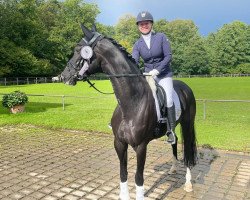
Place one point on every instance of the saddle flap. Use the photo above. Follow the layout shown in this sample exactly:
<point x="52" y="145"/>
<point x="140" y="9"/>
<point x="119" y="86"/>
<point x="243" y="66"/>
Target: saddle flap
<point x="161" y="98"/>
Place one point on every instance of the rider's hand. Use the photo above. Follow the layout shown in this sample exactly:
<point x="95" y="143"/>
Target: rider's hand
<point x="154" y="73"/>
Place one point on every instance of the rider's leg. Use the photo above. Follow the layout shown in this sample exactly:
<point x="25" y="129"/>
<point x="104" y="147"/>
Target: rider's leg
<point x="167" y="84"/>
<point x="172" y="123"/>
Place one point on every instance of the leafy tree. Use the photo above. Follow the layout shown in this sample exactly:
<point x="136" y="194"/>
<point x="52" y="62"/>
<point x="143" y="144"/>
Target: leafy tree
<point x="67" y="32"/>
<point x="243" y="68"/>
<point x="108" y="31"/>
<point x="126" y="31"/>
<point x="229" y="47"/>
<point x="195" y="57"/>
<point x="37" y="35"/>
<point x="185" y="40"/>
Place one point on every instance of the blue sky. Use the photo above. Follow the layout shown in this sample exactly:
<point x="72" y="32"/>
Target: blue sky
<point x="208" y="15"/>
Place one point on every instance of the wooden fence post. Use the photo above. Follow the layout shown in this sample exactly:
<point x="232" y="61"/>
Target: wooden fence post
<point x="63" y="101"/>
<point x="204" y="109"/>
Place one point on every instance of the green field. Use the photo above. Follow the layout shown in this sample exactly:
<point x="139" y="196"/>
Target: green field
<point x="227" y="125"/>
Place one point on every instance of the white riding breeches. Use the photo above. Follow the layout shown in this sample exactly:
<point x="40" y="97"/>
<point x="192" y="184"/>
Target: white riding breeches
<point x="167" y="84"/>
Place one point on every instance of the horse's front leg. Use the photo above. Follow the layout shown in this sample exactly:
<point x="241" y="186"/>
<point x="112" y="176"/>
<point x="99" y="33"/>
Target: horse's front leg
<point x="141" y="152"/>
<point x="121" y="150"/>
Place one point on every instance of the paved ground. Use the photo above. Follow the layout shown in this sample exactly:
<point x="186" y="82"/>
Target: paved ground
<point x="37" y="163"/>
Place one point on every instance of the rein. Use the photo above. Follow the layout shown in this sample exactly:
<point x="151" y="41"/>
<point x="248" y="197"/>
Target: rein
<point x="93" y="86"/>
<point x="111" y="76"/>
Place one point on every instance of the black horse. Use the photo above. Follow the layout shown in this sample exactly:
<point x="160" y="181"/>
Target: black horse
<point x="134" y="120"/>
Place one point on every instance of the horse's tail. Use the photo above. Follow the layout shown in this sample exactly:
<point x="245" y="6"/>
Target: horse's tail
<point x="188" y="127"/>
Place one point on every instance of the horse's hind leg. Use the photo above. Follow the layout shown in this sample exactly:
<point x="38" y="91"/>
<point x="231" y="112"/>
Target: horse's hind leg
<point x="121" y="150"/>
<point x="188" y="185"/>
<point x="173" y="168"/>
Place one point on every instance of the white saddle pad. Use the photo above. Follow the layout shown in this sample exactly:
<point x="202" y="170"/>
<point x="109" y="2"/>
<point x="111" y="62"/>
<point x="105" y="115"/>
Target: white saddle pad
<point x="175" y="98"/>
<point x="176" y="103"/>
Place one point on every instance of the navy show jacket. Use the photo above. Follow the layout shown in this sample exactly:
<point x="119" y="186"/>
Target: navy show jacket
<point x="157" y="57"/>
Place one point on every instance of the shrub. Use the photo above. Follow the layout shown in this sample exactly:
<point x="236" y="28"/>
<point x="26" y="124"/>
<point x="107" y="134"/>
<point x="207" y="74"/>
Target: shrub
<point x="14" y="98"/>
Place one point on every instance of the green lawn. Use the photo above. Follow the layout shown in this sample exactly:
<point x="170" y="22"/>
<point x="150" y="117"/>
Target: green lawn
<point x="227" y="125"/>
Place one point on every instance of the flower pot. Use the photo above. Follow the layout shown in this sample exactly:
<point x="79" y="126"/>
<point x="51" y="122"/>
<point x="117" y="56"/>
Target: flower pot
<point x="17" y="109"/>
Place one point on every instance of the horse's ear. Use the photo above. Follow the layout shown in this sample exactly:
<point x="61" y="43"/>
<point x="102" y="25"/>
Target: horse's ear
<point x="88" y="34"/>
<point x="94" y="28"/>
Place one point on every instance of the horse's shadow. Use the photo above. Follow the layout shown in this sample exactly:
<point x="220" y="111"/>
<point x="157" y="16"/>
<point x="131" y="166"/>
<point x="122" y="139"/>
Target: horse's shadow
<point x="176" y="181"/>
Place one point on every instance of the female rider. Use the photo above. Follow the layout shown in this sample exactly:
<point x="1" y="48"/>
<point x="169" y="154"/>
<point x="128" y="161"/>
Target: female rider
<point x="154" y="49"/>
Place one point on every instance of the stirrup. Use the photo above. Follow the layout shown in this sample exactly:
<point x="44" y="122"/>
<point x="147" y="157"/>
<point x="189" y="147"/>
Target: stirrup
<point x="171" y="137"/>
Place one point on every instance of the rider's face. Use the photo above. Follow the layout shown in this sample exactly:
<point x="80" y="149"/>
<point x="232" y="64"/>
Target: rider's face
<point x="145" y="27"/>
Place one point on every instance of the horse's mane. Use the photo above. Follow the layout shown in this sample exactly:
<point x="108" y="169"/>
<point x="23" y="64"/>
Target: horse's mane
<point x="123" y="50"/>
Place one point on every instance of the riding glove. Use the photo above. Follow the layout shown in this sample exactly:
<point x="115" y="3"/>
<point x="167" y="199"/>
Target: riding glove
<point x="154" y="73"/>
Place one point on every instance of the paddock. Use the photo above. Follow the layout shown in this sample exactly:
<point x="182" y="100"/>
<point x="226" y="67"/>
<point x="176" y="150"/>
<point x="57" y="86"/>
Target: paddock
<point x="49" y="164"/>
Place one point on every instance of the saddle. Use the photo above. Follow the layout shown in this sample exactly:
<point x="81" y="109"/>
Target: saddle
<point x="162" y="125"/>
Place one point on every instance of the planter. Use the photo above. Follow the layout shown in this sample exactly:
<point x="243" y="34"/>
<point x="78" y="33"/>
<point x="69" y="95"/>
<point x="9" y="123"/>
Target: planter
<point x="15" y="101"/>
<point x="17" y="109"/>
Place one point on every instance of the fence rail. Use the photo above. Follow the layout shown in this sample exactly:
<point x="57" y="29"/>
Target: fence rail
<point x="36" y="80"/>
<point x="210" y="100"/>
<point x="63" y="97"/>
<point x="24" y="80"/>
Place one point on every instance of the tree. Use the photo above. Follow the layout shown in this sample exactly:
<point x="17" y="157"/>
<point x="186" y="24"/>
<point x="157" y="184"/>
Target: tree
<point x="126" y="31"/>
<point x="37" y="36"/>
<point x="229" y="47"/>
<point x="182" y="34"/>
<point x="67" y="32"/>
<point x="21" y="36"/>
<point x="108" y="31"/>
<point x="195" y="57"/>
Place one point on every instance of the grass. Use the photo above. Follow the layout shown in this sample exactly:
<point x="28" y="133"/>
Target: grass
<point x="227" y="125"/>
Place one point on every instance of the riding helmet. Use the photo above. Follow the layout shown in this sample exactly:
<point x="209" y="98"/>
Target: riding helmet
<point x="144" y="16"/>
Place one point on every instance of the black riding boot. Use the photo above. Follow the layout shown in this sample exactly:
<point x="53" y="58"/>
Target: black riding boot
<point x="172" y="122"/>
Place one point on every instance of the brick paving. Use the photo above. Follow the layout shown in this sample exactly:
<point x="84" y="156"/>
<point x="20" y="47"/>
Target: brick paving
<point x="39" y="163"/>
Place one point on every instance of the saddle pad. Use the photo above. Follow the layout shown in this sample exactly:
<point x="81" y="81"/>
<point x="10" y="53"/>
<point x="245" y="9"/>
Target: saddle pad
<point x="176" y="100"/>
<point x="176" y="103"/>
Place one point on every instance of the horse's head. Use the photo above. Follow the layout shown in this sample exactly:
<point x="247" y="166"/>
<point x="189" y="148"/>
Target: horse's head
<point x="84" y="60"/>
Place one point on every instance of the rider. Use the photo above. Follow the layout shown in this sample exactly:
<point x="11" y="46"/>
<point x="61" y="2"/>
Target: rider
<point x="154" y="49"/>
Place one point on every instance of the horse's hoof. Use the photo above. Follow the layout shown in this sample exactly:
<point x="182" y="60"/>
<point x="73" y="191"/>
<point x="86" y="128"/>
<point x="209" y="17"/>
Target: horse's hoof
<point x="124" y="197"/>
<point x="172" y="170"/>
<point x="188" y="187"/>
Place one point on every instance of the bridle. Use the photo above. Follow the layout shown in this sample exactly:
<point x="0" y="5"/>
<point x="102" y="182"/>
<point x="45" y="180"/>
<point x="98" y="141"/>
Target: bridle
<point x="85" y="62"/>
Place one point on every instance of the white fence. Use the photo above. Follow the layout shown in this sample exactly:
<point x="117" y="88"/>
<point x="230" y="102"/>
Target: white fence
<point x="36" y="80"/>
<point x="209" y="100"/>
<point x="24" y="80"/>
<point x="63" y="97"/>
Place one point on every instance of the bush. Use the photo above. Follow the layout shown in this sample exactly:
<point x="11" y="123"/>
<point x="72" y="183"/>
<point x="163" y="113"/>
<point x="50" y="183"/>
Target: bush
<point x="14" y="98"/>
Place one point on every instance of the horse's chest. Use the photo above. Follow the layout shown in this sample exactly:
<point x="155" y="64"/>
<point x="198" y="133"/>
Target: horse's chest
<point x="131" y="132"/>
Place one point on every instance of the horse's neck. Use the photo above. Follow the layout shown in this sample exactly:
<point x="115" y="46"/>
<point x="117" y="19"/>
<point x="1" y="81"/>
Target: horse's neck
<point x="129" y="91"/>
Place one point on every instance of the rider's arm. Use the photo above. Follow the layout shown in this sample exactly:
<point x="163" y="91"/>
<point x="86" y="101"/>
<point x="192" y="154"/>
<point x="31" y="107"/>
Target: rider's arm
<point x="166" y="53"/>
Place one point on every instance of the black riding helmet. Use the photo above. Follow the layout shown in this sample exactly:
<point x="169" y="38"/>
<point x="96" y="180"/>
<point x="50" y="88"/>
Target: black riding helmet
<point x="144" y="16"/>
